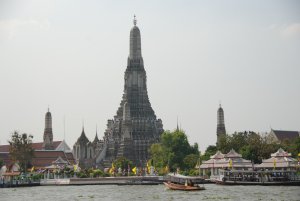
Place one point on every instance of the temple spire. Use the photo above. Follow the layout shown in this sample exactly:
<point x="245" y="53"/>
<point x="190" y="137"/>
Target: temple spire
<point x="48" y="135"/>
<point x="221" y="131"/>
<point x="134" y="20"/>
<point x="135" y="49"/>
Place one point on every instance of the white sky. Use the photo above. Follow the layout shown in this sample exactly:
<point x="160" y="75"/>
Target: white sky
<point x="71" y="55"/>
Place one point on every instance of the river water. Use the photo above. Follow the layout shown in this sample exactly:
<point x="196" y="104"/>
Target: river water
<point x="156" y="192"/>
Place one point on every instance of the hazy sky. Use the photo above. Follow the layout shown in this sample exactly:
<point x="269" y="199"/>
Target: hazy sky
<point x="71" y="55"/>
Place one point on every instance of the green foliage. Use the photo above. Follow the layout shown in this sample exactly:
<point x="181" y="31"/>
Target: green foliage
<point x="21" y="149"/>
<point x="253" y="146"/>
<point x="193" y="172"/>
<point x="98" y="173"/>
<point x="1" y="163"/>
<point x="292" y="147"/>
<point x="37" y="177"/>
<point x="210" y="150"/>
<point x="191" y="160"/>
<point x="174" y="151"/>
<point x="82" y="175"/>
<point x="122" y="163"/>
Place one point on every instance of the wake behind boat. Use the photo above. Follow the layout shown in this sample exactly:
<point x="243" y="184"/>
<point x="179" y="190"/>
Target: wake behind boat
<point x="185" y="183"/>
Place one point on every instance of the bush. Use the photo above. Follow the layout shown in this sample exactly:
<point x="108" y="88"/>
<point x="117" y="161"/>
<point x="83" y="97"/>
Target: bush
<point x="98" y="173"/>
<point x="194" y="172"/>
<point x="82" y="175"/>
<point x="37" y="176"/>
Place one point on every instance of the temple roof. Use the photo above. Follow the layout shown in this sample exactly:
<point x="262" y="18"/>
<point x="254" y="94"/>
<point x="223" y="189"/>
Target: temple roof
<point x="46" y="158"/>
<point x="218" y="155"/>
<point x="36" y="146"/>
<point x="220" y="160"/>
<point x="232" y="154"/>
<point x="96" y="139"/>
<point x="59" y="160"/>
<point x="43" y="158"/>
<point x="83" y="138"/>
<point x="282" y="135"/>
<point x="225" y="163"/>
<point x="281" y="153"/>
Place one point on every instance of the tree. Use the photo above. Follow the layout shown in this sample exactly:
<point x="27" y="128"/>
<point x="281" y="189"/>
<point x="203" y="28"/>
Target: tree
<point x="190" y="161"/>
<point x="251" y="145"/>
<point x="224" y="144"/>
<point x="210" y="150"/>
<point x="159" y="155"/>
<point x="1" y="163"/>
<point x="21" y="150"/>
<point x="122" y="163"/>
<point x="172" y="150"/>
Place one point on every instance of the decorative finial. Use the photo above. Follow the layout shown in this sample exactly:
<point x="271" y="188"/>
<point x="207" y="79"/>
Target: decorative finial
<point x="134" y="20"/>
<point x="48" y="108"/>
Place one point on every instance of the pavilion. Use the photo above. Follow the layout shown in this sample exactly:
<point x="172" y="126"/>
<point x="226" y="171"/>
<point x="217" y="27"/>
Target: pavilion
<point x="280" y="160"/>
<point x="231" y="160"/>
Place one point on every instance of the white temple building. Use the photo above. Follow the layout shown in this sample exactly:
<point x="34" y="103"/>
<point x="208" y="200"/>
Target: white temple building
<point x="231" y="160"/>
<point x="280" y="160"/>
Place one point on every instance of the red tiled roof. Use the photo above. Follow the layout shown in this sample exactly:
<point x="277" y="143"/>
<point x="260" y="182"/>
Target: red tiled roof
<point x="286" y="135"/>
<point x="36" y="146"/>
<point x="4" y="148"/>
<point x="45" y="158"/>
<point x="42" y="158"/>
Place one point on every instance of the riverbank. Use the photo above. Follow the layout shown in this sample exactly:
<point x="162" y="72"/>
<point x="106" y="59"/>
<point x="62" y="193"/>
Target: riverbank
<point x="144" y="180"/>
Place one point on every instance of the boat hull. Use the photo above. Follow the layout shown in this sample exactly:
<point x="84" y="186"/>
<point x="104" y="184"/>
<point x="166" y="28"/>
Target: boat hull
<point x="283" y="183"/>
<point x="181" y="187"/>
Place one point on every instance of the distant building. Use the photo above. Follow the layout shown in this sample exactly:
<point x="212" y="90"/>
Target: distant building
<point x="221" y="131"/>
<point x="44" y="152"/>
<point x="278" y="136"/>
<point x="231" y="160"/>
<point x="48" y="135"/>
<point x="280" y="160"/>
<point x="85" y="152"/>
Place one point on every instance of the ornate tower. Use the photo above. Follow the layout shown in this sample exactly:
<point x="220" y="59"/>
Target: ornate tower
<point x="135" y="126"/>
<point x="221" y="131"/>
<point x="48" y="135"/>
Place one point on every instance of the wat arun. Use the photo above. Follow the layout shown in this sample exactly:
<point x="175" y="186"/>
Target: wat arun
<point x="135" y="127"/>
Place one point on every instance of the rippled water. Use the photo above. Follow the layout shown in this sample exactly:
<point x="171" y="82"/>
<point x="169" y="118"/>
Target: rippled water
<point x="157" y="192"/>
